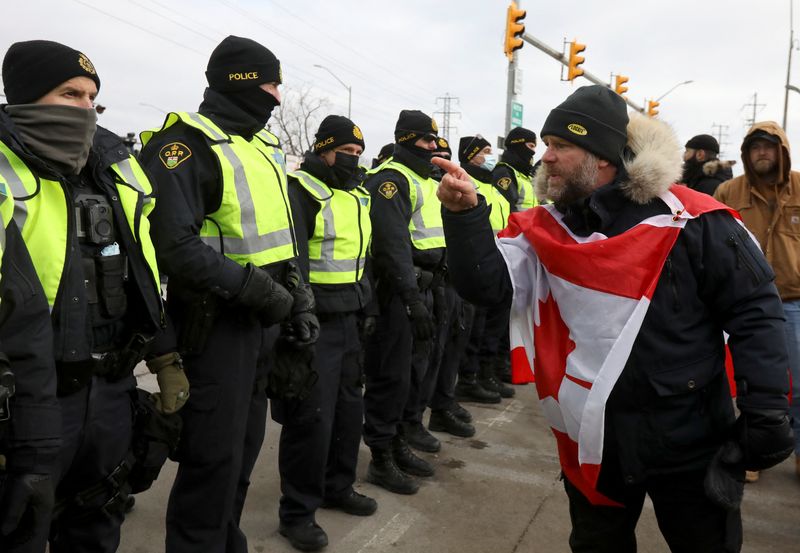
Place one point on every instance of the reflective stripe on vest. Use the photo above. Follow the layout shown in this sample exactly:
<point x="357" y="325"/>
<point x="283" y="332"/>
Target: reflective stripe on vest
<point x="425" y="225"/>
<point x="338" y="249"/>
<point x="498" y="205"/>
<point x="253" y="223"/>
<point x="42" y="212"/>
<point x="526" y="197"/>
<point x="6" y="214"/>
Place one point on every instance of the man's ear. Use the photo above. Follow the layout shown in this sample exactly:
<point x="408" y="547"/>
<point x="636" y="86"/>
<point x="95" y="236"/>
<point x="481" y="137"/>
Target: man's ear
<point x="700" y="155"/>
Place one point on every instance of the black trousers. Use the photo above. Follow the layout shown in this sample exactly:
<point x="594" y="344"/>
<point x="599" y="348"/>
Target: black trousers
<point x="689" y="522"/>
<point x="320" y="436"/>
<point x="224" y="423"/>
<point x="97" y="425"/>
<point x="469" y="361"/>
<point x="455" y="347"/>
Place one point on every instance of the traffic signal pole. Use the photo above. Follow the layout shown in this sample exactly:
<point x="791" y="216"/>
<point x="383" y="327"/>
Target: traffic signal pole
<point x="558" y="56"/>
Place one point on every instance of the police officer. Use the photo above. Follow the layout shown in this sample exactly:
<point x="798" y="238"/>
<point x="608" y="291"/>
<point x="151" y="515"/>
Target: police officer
<point x="223" y="234"/>
<point x="30" y="420"/>
<point x="512" y="175"/>
<point x="321" y="434"/>
<point x="408" y="251"/>
<point x="81" y="206"/>
<point x="488" y="324"/>
<point x="384" y="154"/>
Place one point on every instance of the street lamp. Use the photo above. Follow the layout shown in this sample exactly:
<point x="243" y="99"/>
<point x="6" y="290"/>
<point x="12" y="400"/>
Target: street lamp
<point x="673" y="88"/>
<point x="349" y="89"/>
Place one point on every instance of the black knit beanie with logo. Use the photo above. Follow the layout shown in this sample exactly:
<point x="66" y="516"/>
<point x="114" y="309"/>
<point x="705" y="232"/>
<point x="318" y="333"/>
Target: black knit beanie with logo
<point x="33" y="68"/>
<point x="703" y="142"/>
<point x="594" y="118"/>
<point x="412" y="125"/>
<point x="469" y="146"/>
<point x="442" y="145"/>
<point x="238" y="63"/>
<point x="336" y="130"/>
<point x="517" y="137"/>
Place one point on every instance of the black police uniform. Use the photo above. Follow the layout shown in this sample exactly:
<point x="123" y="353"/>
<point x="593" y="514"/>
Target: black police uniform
<point x="106" y="310"/>
<point x="30" y="421"/>
<point x="225" y="416"/>
<point x="392" y="380"/>
<point x="321" y="435"/>
<point x="503" y="170"/>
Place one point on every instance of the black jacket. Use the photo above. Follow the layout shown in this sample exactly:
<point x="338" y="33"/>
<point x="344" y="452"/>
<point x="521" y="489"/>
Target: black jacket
<point x="330" y="298"/>
<point x="393" y="254"/>
<point x="30" y="440"/>
<point x="74" y="337"/>
<point x="706" y="177"/>
<point x="670" y="410"/>
<point x="504" y="170"/>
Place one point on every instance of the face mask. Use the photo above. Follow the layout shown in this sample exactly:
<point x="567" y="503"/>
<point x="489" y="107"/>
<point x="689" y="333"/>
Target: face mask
<point x="256" y="102"/>
<point x="345" y="167"/>
<point x="489" y="161"/>
<point x="60" y="135"/>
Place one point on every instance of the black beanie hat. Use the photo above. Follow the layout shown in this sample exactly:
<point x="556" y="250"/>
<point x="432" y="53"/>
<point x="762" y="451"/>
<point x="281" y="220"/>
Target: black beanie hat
<point x="519" y="136"/>
<point x="593" y="118"/>
<point x="32" y="69"/>
<point x="413" y="124"/>
<point x="336" y="130"/>
<point x="238" y="63"/>
<point x="703" y="142"/>
<point x="469" y="146"/>
<point x="385" y="152"/>
<point x="442" y="145"/>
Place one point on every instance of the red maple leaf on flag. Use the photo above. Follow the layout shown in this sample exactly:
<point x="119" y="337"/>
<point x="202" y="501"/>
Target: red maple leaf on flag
<point x="552" y="344"/>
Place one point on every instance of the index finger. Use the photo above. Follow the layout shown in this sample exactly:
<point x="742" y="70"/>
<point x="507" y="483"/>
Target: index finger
<point x="447" y="165"/>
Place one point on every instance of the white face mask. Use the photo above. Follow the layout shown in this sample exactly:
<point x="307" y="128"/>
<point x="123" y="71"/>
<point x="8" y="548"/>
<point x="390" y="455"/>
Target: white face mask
<point x="489" y="161"/>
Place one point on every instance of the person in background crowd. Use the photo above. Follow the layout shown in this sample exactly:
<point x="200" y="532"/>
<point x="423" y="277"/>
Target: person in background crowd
<point x="512" y="176"/>
<point x="767" y="197"/>
<point x="702" y="170"/>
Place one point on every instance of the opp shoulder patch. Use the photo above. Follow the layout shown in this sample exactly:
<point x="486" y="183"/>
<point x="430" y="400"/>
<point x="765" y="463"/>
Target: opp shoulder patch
<point x="173" y="154"/>
<point x="504" y="183"/>
<point x="388" y="189"/>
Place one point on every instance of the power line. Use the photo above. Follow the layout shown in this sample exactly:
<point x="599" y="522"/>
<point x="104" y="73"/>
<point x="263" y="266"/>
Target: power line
<point x="721" y="134"/>
<point x="755" y="105"/>
<point x="447" y="112"/>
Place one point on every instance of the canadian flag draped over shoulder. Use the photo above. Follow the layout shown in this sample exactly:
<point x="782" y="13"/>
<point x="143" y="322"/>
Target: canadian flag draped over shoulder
<point x="579" y="303"/>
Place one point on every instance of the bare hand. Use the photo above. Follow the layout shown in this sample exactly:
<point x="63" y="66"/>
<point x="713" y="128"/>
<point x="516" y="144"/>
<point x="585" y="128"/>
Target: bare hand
<point x="457" y="192"/>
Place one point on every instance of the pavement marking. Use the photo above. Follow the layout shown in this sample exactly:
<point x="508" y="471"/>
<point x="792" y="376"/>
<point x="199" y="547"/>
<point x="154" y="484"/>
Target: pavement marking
<point x="387" y="535"/>
<point x="508" y="414"/>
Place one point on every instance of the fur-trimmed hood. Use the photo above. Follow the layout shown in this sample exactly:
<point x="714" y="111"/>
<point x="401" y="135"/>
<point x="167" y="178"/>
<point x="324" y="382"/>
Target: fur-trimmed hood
<point x="656" y="161"/>
<point x="711" y="168"/>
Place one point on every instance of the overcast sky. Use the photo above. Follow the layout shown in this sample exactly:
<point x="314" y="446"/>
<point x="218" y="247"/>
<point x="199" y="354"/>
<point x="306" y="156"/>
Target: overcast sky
<point x="404" y="54"/>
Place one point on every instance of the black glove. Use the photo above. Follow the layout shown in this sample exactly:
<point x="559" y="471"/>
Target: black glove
<point x="368" y="325"/>
<point x="765" y="436"/>
<point x="421" y="321"/>
<point x="724" y="482"/>
<point x="292" y="376"/>
<point x="303" y="327"/>
<point x="268" y="299"/>
<point x="25" y="505"/>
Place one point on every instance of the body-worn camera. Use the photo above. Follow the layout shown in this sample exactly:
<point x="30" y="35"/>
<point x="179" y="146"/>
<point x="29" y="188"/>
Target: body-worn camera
<point x="95" y="219"/>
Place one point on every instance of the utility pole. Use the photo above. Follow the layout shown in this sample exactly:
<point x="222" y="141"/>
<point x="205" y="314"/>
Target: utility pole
<point x="789" y="63"/>
<point x="514" y="82"/>
<point x="446" y="113"/>
<point x="755" y="105"/>
<point x="721" y="134"/>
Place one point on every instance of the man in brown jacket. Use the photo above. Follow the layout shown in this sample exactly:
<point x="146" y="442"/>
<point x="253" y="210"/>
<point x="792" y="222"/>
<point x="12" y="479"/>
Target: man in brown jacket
<point x="768" y="198"/>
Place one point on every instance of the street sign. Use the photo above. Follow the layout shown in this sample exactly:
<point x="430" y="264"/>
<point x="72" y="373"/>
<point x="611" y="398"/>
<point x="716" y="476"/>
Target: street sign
<point x="516" y="114"/>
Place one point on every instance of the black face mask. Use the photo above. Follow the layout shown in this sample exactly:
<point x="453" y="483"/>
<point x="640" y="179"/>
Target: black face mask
<point x="422" y="153"/>
<point x="437" y="173"/>
<point x="345" y="168"/>
<point x="257" y="103"/>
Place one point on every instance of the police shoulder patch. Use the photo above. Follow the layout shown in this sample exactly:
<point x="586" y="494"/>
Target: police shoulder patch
<point x="173" y="154"/>
<point x="388" y="189"/>
<point x="504" y="183"/>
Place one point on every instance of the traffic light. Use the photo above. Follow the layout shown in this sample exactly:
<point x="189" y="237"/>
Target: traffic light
<point x="651" y="108"/>
<point x="575" y="60"/>
<point x="619" y="85"/>
<point x="514" y="30"/>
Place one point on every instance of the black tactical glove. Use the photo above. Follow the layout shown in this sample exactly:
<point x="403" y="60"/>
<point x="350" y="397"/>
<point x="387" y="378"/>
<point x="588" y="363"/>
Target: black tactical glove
<point x="303" y="327"/>
<point x="367" y="327"/>
<point x="268" y="299"/>
<point x="25" y="506"/>
<point x="724" y="482"/>
<point x="292" y="376"/>
<point x="765" y="436"/>
<point x="421" y="321"/>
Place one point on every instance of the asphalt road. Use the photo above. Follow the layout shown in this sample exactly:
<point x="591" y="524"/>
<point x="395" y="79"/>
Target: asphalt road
<point x="497" y="492"/>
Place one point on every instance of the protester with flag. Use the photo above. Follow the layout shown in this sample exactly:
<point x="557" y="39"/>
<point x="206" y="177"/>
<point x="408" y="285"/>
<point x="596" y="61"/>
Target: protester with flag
<point x="620" y="292"/>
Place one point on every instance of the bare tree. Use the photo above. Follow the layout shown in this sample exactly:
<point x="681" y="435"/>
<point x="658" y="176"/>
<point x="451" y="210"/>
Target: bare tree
<point x="297" y="119"/>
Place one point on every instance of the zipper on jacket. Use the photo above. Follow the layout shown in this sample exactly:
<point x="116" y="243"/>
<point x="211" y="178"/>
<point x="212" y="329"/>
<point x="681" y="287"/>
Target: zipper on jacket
<point x="676" y="304"/>
<point x="741" y="259"/>
<point x="360" y="234"/>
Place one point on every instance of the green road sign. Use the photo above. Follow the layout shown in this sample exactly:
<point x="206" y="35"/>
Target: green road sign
<point x="516" y="114"/>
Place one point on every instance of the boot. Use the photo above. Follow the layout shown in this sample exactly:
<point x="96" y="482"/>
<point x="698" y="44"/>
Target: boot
<point x="468" y="389"/>
<point x="503" y="368"/>
<point x="384" y="472"/>
<point x="305" y="536"/>
<point x="447" y="421"/>
<point x="489" y="381"/>
<point x="461" y="413"/>
<point x="419" y="438"/>
<point x="352" y="503"/>
<point x="407" y="461"/>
